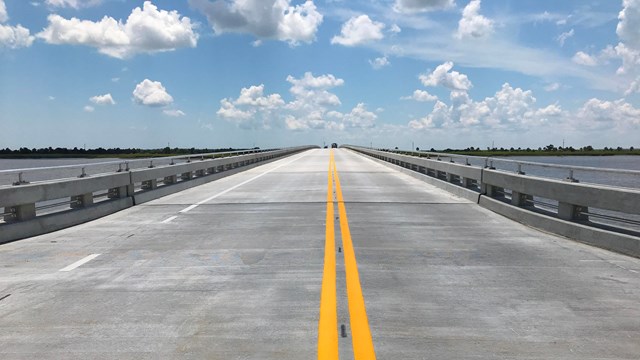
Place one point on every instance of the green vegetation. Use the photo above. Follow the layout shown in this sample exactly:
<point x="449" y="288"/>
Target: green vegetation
<point x="130" y="153"/>
<point x="549" y="150"/>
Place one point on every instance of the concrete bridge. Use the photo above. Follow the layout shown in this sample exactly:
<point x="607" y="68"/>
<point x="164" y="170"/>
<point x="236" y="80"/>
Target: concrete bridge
<point x="300" y="254"/>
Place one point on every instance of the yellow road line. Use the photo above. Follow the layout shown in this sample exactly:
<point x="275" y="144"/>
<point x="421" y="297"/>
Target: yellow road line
<point x="328" y="323"/>
<point x="360" y="332"/>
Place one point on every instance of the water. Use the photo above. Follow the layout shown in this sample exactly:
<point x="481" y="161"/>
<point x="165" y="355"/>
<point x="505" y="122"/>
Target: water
<point x="623" y="162"/>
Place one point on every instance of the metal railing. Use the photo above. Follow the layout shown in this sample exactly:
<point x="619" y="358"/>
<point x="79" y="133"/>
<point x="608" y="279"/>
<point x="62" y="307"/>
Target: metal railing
<point x="35" y="174"/>
<point x="600" y="205"/>
<point x="112" y="191"/>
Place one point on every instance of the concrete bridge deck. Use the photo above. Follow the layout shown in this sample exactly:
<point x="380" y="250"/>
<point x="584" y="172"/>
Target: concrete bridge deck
<point x="233" y="270"/>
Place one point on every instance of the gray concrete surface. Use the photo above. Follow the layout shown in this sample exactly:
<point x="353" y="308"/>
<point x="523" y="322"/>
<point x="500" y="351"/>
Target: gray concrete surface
<point x="238" y="277"/>
<point x="572" y="198"/>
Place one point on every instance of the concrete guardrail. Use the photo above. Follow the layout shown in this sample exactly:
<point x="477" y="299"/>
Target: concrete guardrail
<point x="32" y="209"/>
<point x="511" y="194"/>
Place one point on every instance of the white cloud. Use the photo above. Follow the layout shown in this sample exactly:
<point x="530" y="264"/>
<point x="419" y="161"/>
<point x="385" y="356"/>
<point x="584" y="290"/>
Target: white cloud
<point x="230" y="112"/>
<point x="630" y="58"/>
<point x="562" y="38"/>
<point x="633" y="88"/>
<point x="311" y="107"/>
<point x="4" y="17"/>
<point x="472" y="24"/>
<point x="598" y="114"/>
<point x="264" y="19"/>
<point x="151" y="93"/>
<point x="443" y="76"/>
<point x="628" y="28"/>
<point x="147" y="30"/>
<point x="552" y="87"/>
<point x="420" y="95"/>
<point x="254" y="96"/>
<point x="14" y="37"/>
<point x="105" y="99"/>
<point x="359" y="30"/>
<point x="312" y="93"/>
<point x="52" y="97"/>
<point x="379" y="62"/>
<point x="252" y="108"/>
<point x="88" y="108"/>
<point x="510" y="109"/>
<point x="173" y="112"/>
<point x="76" y="4"/>
<point x="582" y="58"/>
<point x="359" y="117"/>
<point x="411" y="6"/>
<point x="395" y="29"/>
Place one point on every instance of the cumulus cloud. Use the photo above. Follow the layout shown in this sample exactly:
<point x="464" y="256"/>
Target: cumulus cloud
<point x="633" y="88"/>
<point x="312" y="92"/>
<point x="88" y="108"/>
<point x="151" y="93"/>
<point x="264" y="19"/>
<point x="412" y="6"/>
<point x="173" y="112"/>
<point x="582" y="58"/>
<point x="147" y="30"/>
<point x="598" y="114"/>
<point x="76" y="4"/>
<point x="254" y="96"/>
<point x="630" y="58"/>
<point x="421" y="96"/>
<point x="312" y="107"/>
<point x="12" y="37"/>
<point x="443" y="76"/>
<point x="359" y="30"/>
<point x="628" y="28"/>
<point x="379" y="62"/>
<point x="251" y="109"/>
<point x="359" y="117"/>
<point x="472" y="24"/>
<point x="509" y="108"/>
<point x="105" y="99"/>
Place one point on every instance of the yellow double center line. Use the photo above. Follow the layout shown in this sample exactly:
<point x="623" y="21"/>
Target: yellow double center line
<point x="328" y="324"/>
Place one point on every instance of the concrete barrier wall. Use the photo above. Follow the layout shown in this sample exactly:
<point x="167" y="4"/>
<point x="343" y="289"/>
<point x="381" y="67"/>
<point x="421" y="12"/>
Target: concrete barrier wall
<point x="76" y="197"/>
<point x="487" y="187"/>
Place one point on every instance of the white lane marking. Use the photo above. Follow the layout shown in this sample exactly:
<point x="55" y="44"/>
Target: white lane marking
<point x="169" y="219"/>
<point x="80" y="262"/>
<point x="191" y="207"/>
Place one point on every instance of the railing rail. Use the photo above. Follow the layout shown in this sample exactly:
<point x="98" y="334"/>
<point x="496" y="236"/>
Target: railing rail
<point x="22" y="204"/>
<point x="488" y="159"/>
<point x="124" y="164"/>
<point x="505" y="191"/>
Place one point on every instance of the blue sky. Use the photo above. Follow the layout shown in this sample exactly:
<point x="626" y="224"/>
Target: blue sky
<point x="240" y="73"/>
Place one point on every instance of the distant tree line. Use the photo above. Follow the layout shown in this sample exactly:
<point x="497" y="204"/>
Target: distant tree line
<point x="110" y="151"/>
<point x="548" y="148"/>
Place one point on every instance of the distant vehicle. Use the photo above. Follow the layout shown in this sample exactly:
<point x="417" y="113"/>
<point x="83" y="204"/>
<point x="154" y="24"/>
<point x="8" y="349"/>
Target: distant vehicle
<point x="334" y="146"/>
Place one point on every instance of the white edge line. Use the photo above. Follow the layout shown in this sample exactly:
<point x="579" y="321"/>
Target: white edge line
<point x="169" y="219"/>
<point x="191" y="207"/>
<point x="80" y="262"/>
